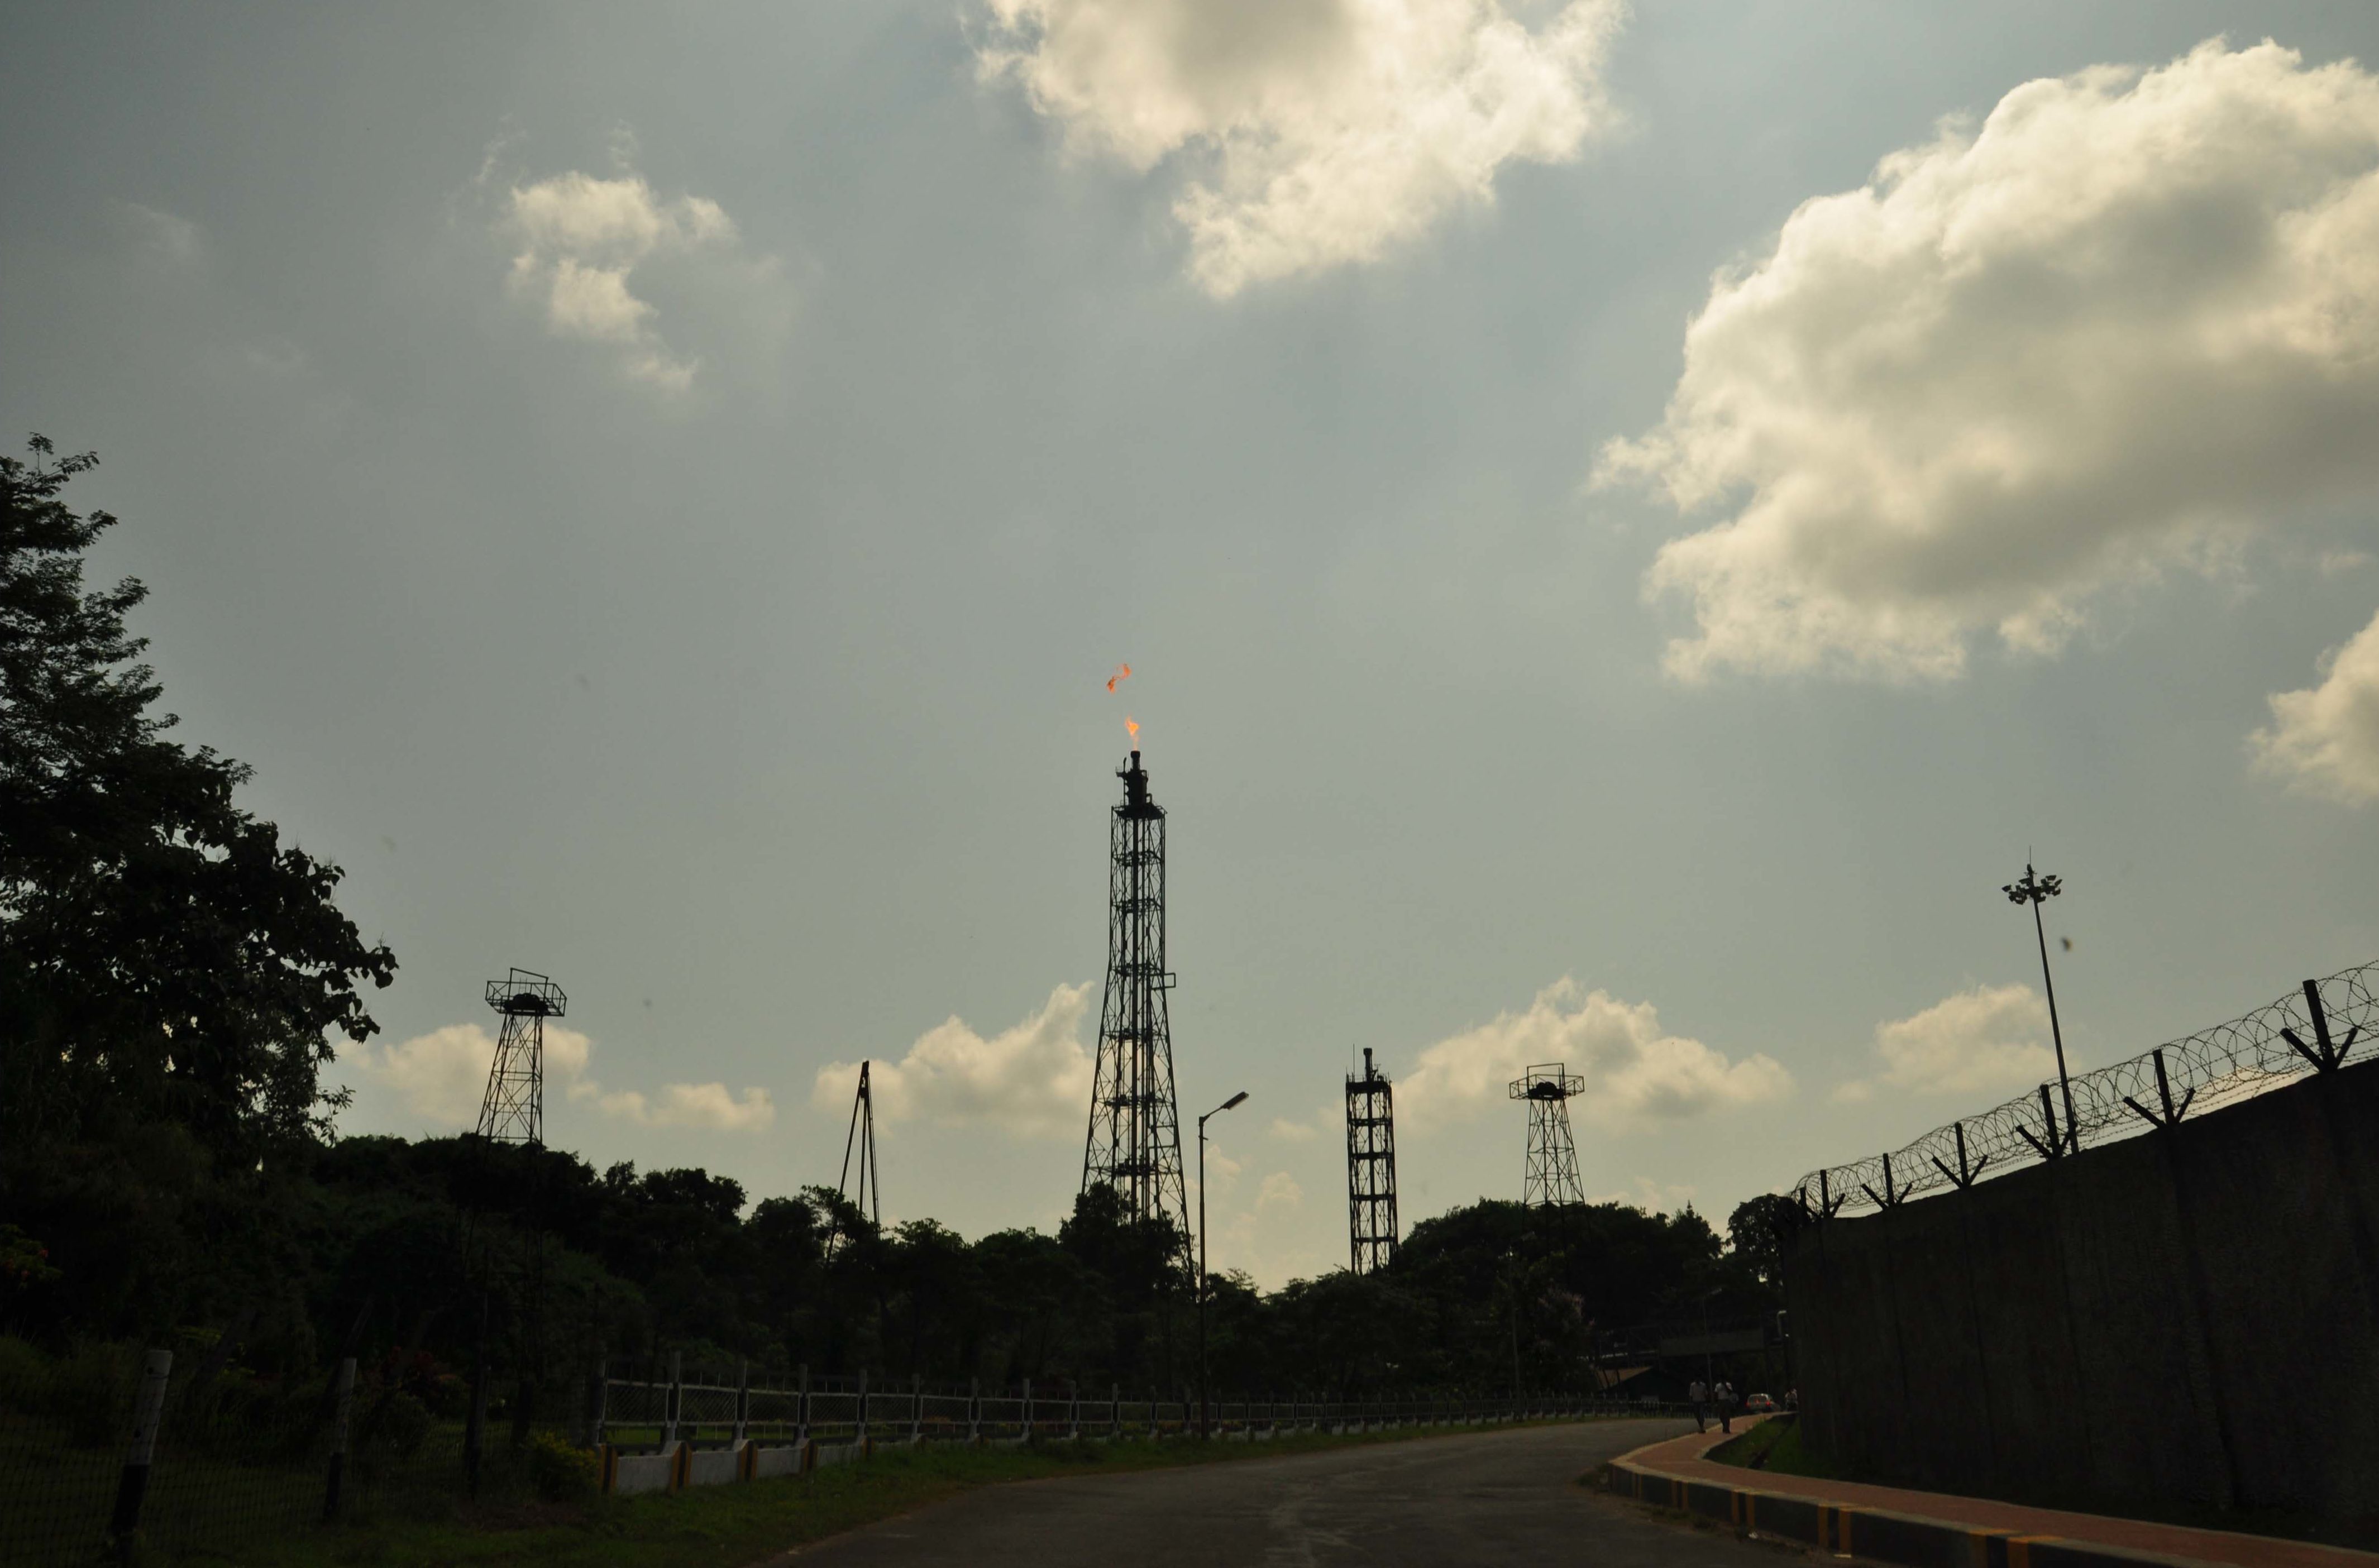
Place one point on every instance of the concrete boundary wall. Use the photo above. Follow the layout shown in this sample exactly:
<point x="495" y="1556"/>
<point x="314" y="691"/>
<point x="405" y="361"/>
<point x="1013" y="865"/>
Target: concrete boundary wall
<point x="2188" y="1315"/>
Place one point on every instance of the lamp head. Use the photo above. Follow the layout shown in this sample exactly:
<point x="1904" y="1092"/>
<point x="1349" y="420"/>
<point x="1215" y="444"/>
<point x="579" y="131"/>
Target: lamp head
<point x="1235" y="1100"/>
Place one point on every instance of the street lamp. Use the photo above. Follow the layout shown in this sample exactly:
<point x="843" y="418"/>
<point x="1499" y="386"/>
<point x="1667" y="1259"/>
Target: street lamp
<point x="2037" y="890"/>
<point x="1205" y="1406"/>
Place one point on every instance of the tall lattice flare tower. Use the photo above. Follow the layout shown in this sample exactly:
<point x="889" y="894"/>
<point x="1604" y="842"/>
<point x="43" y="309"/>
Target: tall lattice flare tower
<point x="1134" y="1144"/>
<point x="513" y="1111"/>
<point x="1551" y="1177"/>
<point x="1371" y="1168"/>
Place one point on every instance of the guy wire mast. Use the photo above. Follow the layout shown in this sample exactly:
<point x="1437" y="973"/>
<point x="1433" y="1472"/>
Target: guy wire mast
<point x="1553" y="1158"/>
<point x="1371" y="1168"/>
<point x="870" y="1200"/>
<point x="1134" y="1143"/>
<point x="513" y="1111"/>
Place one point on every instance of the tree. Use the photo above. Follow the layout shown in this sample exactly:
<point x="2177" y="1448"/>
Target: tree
<point x="1761" y="1231"/>
<point x="163" y="957"/>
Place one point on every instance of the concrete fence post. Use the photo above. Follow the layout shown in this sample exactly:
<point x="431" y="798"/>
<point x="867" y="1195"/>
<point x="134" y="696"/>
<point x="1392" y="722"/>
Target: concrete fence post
<point x="975" y="1410"/>
<point x="598" y="1403"/>
<point x="1073" y="1408"/>
<point x="671" y="1398"/>
<point x="148" y="1408"/>
<point x="802" y="1412"/>
<point x="1028" y="1410"/>
<point x="345" y="1400"/>
<point x="916" y="1407"/>
<point x="743" y="1401"/>
<point x="863" y="1411"/>
<point x="1114" y="1412"/>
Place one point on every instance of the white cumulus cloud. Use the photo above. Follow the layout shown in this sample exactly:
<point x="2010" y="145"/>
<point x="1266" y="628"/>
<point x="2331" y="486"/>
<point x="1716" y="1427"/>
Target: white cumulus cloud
<point x="442" y="1076"/>
<point x="1030" y="1081"/>
<point x="2131" y="318"/>
<point x="1987" y="1039"/>
<point x="693" y="1105"/>
<point x="1633" y="1072"/>
<point x="579" y="242"/>
<point x="1316" y="133"/>
<point x="2325" y="740"/>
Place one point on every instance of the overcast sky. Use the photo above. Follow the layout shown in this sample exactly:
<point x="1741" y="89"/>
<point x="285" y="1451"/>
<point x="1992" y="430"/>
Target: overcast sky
<point x="1627" y="526"/>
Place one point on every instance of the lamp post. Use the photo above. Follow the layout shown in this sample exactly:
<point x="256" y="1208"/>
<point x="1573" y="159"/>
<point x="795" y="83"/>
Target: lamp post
<point x="2035" y="891"/>
<point x="1205" y="1406"/>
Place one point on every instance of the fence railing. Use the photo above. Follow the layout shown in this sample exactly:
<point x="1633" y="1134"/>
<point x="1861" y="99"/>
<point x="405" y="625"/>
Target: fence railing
<point x="2308" y="1032"/>
<point x="652" y="1414"/>
<point x="228" y="1462"/>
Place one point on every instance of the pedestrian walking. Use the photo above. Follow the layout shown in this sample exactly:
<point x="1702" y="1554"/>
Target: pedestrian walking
<point x="1725" y="1396"/>
<point x="1700" y="1394"/>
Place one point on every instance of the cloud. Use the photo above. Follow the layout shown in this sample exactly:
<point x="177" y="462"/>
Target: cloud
<point x="1653" y="1197"/>
<point x="1326" y="1121"/>
<point x="158" y="235"/>
<point x="2131" y="319"/>
<point x="580" y="241"/>
<point x="1279" y="1192"/>
<point x="1321" y="132"/>
<point x="442" y="1076"/>
<point x="1632" y="1073"/>
<point x="2325" y="740"/>
<point x="693" y="1105"/>
<point x="1987" y="1039"/>
<point x="1031" y="1080"/>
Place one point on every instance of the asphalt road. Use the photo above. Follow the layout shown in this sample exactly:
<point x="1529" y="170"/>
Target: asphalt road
<point x="1501" y="1497"/>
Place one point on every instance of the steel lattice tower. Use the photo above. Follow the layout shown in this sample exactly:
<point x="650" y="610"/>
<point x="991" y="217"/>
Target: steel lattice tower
<point x="1553" y="1158"/>
<point x="1134" y="1143"/>
<point x="513" y="1111"/>
<point x="1370" y="1169"/>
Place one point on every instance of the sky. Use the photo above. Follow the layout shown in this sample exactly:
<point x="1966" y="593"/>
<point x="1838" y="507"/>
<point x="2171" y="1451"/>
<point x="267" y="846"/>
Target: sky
<point x="1628" y="524"/>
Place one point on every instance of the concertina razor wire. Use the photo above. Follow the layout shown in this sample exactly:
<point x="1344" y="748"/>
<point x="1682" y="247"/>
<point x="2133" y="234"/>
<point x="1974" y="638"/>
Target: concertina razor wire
<point x="2307" y="1032"/>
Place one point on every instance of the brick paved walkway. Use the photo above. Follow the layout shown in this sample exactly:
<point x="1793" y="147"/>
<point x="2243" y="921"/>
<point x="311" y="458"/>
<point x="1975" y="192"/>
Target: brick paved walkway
<point x="1683" y="1459"/>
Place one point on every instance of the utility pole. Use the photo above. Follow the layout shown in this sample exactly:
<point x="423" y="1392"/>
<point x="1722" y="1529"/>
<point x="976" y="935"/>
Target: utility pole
<point x="1205" y="1406"/>
<point x="2035" y="891"/>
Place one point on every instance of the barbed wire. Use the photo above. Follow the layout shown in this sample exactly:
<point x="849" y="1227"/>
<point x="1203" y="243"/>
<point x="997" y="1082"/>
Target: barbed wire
<point x="2308" y="1030"/>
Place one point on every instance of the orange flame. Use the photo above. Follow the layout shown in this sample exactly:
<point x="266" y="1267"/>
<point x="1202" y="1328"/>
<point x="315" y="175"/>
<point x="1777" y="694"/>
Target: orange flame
<point x="1121" y="673"/>
<point x="1133" y="725"/>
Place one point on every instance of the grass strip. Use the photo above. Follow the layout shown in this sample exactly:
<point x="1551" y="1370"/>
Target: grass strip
<point x="731" y="1526"/>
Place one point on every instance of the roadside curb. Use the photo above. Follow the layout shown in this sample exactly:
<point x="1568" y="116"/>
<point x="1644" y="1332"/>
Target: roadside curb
<point x="1877" y="1534"/>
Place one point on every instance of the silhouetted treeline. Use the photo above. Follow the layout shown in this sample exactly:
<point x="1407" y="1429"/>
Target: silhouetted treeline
<point x="173" y="978"/>
<point x="362" y="1250"/>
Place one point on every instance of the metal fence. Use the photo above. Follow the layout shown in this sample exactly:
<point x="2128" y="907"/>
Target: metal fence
<point x="109" y="1453"/>
<point x="707" y="1409"/>
<point x="2308" y="1032"/>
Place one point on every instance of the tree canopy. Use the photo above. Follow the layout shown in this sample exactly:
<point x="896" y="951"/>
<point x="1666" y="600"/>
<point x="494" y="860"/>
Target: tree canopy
<point x="163" y="953"/>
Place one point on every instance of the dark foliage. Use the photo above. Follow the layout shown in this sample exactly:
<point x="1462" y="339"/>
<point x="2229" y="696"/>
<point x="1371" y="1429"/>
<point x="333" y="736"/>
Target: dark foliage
<point x="172" y="977"/>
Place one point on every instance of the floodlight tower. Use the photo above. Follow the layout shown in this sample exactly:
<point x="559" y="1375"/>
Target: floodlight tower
<point x="514" y="1110"/>
<point x="1370" y="1169"/>
<point x="1134" y="1143"/>
<point x="1551" y="1179"/>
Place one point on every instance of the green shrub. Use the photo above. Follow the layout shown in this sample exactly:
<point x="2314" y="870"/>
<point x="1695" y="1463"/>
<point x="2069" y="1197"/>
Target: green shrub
<point x="559" y="1469"/>
<point x="24" y="1376"/>
<point x="404" y="1425"/>
<point x="90" y="1393"/>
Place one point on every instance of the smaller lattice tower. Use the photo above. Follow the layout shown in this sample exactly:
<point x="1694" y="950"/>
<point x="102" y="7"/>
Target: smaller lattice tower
<point x="513" y="1111"/>
<point x="1552" y="1157"/>
<point x="1371" y="1168"/>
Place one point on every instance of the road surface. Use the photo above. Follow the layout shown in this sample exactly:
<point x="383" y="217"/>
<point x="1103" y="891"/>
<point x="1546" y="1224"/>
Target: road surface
<point x="1497" y="1497"/>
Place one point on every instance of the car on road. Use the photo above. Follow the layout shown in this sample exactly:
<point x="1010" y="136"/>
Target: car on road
<point x="1760" y="1403"/>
